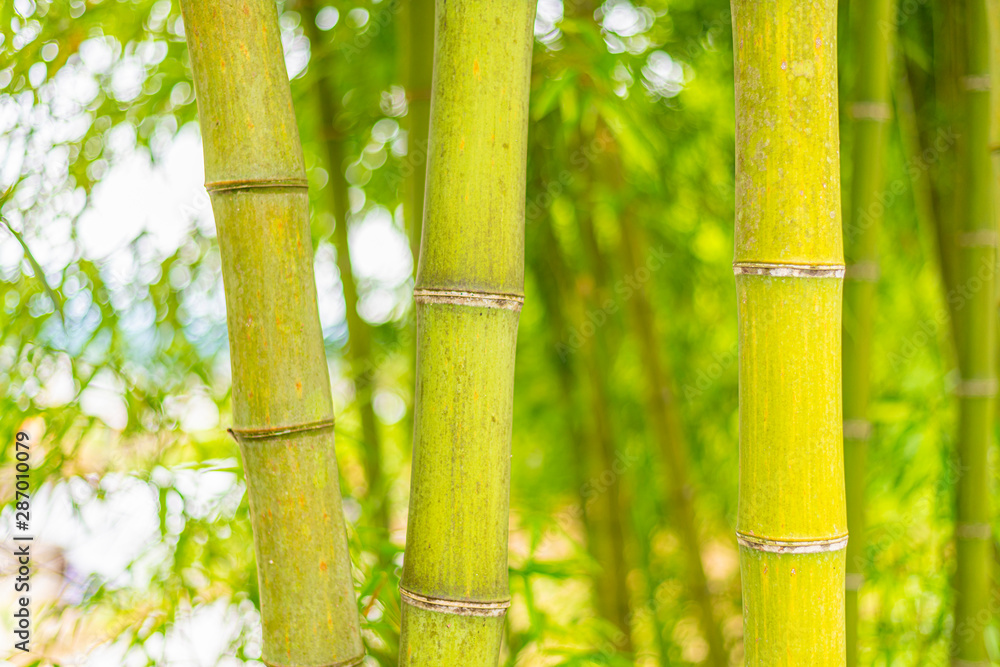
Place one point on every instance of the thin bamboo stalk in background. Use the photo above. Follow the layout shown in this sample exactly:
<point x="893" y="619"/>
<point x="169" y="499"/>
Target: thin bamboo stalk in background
<point x="604" y="510"/>
<point x="869" y="112"/>
<point x="419" y="72"/>
<point x="925" y="201"/>
<point x="662" y="413"/>
<point x="468" y="293"/>
<point x="792" y="522"/>
<point x="601" y="510"/>
<point x="359" y="344"/>
<point x="976" y="345"/>
<point x="282" y="405"/>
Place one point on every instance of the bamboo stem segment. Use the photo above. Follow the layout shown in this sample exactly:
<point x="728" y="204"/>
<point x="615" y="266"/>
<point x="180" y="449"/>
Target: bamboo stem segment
<point x="471" y="260"/>
<point x="789" y="267"/>
<point x="870" y="113"/>
<point x="282" y="405"/>
<point x="976" y="345"/>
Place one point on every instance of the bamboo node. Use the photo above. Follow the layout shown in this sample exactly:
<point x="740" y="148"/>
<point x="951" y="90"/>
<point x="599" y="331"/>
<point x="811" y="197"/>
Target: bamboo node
<point x="474" y="299"/>
<point x="789" y="270"/>
<point x="274" y="431"/>
<point x="981" y="238"/>
<point x="456" y="607"/>
<point x="865" y="271"/>
<point x="857" y="429"/>
<point x="870" y="110"/>
<point x="958" y="662"/>
<point x="977" y="387"/>
<point x="256" y="184"/>
<point x="973" y="531"/>
<point x="350" y="662"/>
<point x="978" y="83"/>
<point x="792" y="546"/>
<point x="854" y="581"/>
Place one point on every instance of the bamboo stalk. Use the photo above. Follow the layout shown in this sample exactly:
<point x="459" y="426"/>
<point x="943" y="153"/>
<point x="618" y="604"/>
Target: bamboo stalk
<point x="359" y="347"/>
<point x="662" y="413"/>
<point x="282" y="405"/>
<point x="468" y="293"/>
<point x="606" y="538"/>
<point x="562" y="305"/>
<point x="792" y="522"/>
<point x="869" y="112"/>
<point x="977" y="248"/>
<point x="594" y="448"/>
<point x="420" y="68"/>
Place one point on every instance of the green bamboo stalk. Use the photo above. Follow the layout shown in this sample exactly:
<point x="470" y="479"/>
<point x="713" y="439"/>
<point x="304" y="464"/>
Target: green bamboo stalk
<point x="662" y="413"/>
<point x="603" y="509"/>
<point x="869" y="112"/>
<point x="924" y="194"/>
<point x="282" y="405"/>
<point x="359" y="347"/>
<point x="792" y="522"/>
<point x="594" y="448"/>
<point x="420" y="69"/>
<point x="469" y="291"/>
<point x="977" y="249"/>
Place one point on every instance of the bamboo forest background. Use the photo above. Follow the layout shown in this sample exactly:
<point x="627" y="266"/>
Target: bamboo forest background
<point x="114" y="355"/>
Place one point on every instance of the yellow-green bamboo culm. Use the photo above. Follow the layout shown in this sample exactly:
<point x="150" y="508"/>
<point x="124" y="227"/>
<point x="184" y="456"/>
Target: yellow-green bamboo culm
<point x="282" y="405"/>
<point x="468" y="295"/>
<point x="869" y="112"/>
<point x="789" y="265"/>
<point x="359" y="345"/>
<point x="976" y="346"/>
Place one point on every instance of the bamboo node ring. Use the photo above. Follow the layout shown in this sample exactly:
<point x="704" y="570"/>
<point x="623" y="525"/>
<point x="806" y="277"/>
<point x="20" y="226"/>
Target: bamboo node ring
<point x="350" y="662"/>
<point x="789" y="270"/>
<point x="274" y="431"/>
<point x="979" y="83"/>
<point x="864" y="271"/>
<point x="474" y="299"/>
<point x="981" y="238"/>
<point x="871" y="110"/>
<point x="857" y="429"/>
<point x="792" y="546"/>
<point x="456" y="607"/>
<point x="958" y="662"/>
<point x="973" y="531"/>
<point x="977" y="387"/>
<point x="854" y="581"/>
<point x="256" y="184"/>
